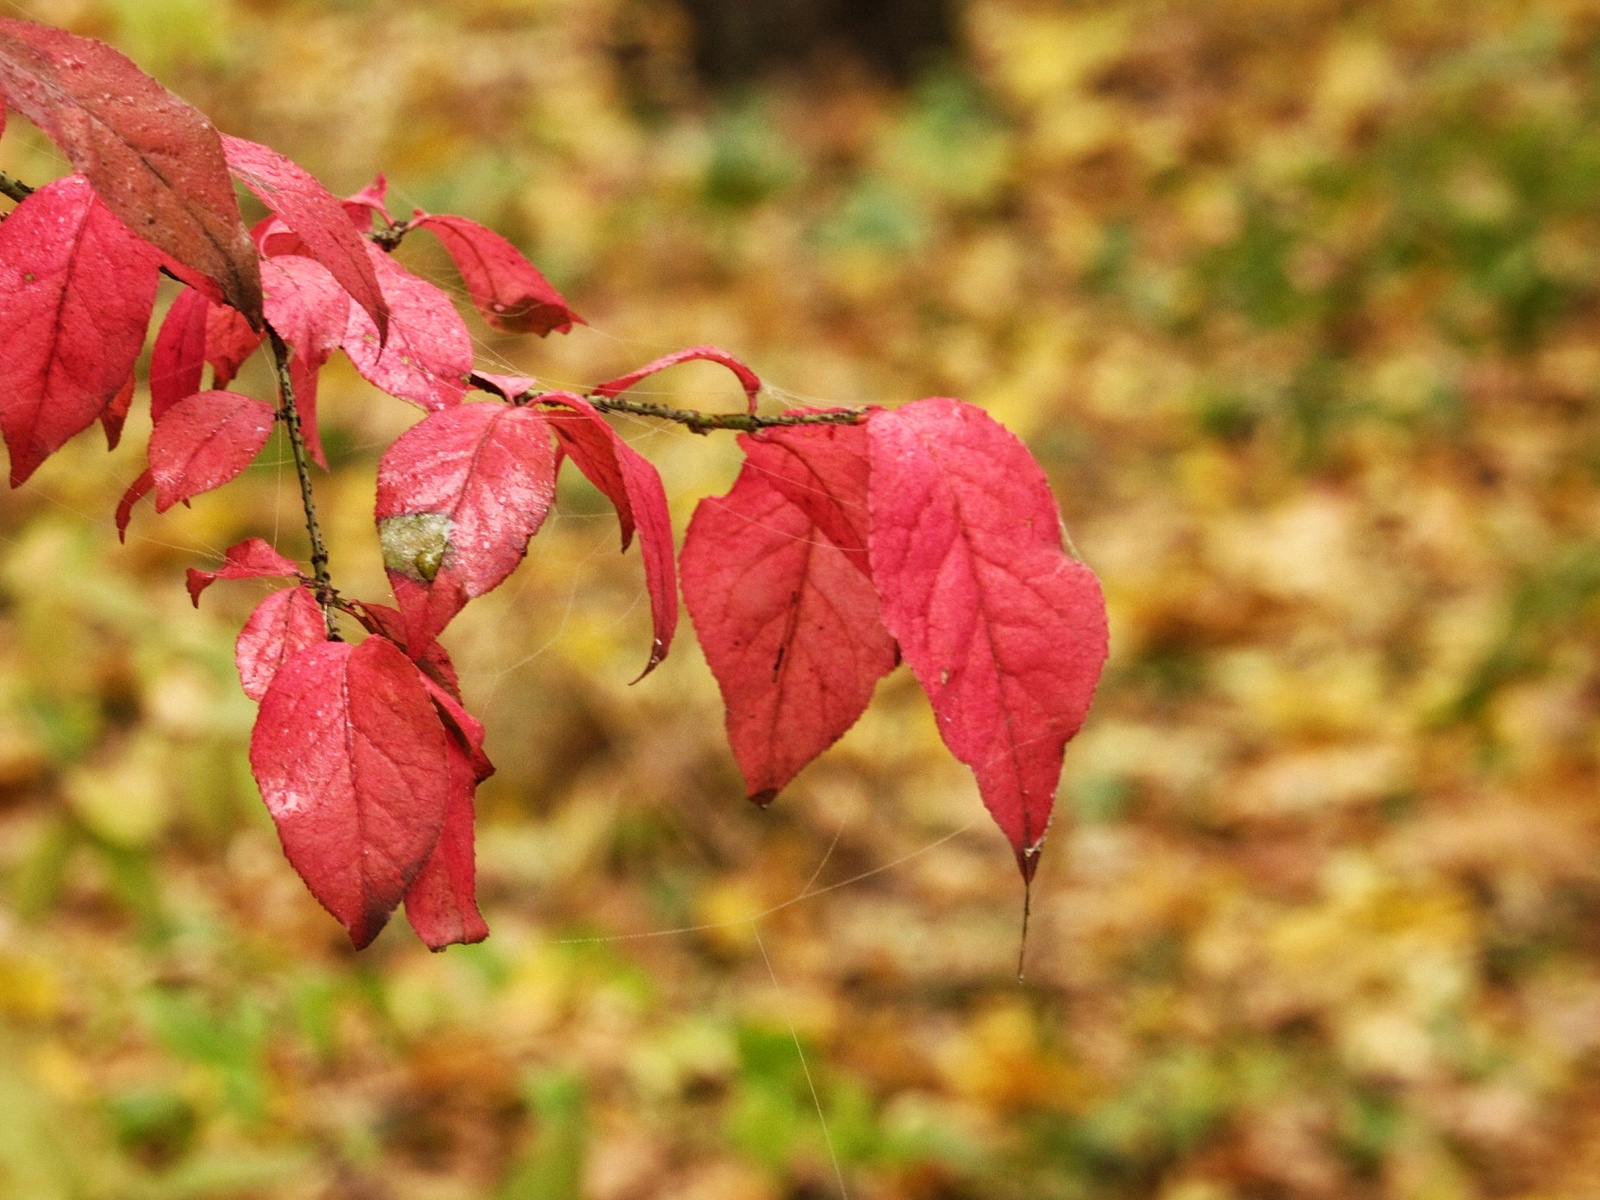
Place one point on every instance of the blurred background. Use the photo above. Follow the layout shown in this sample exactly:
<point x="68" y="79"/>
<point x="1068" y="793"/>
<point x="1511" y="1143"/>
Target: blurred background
<point x="1298" y="302"/>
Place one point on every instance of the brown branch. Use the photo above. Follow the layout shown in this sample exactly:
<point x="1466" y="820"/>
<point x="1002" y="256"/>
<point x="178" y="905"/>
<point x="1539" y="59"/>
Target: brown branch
<point x="702" y="422"/>
<point x="321" y="581"/>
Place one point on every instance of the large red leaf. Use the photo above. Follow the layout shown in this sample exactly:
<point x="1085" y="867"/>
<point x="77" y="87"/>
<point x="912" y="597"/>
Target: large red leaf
<point x="789" y="626"/>
<point x="252" y="558"/>
<point x="1003" y="630"/>
<point x="155" y="161"/>
<point x="282" y="625"/>
<point x="76" y="290"/>
<point x="823" y="469"/>
<point x="505" y="287"/>
<point x="428" y="353"/>
<point x="633" y="485"/>
<point x="317" y="215"/>
<point x="351" y="759"/>
<point x="178" y="358"/>
<point x="747" y="378"/>
<point x="442" y="903"/>
<point x="459" y="495"/>
<point x="205" y="440"/>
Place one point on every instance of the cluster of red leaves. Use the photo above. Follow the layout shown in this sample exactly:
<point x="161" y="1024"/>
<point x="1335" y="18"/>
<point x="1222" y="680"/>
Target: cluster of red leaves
<point x="926" y="532"/>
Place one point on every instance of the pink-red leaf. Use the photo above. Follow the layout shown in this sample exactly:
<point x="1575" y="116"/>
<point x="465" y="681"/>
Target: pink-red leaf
<point x="252" y="558"/>
<point x="352" y="761"/>
<point x="1005" y="632"/>
<point x="366" y="203"/>
<point x="205" y="440"/>
<point x="137" y="491"/>
<point x="442" y="903"/>
<point x="459" y="495"/>
<point x="823" y="469"/>
<point x="747" y="378"/>
<point x="155" y="161"/>
<point x="505" y="287"/>
<point x="314" y="213"/>
<point x="76" y="289"/>
<point x="178" y="359"/>
<point x="629" y="481"/>
<point x="282" y="625"/>
<point x="789" y="627"/>
<point x="511" y="387"/>
<point x="428" y="354"/>
<point x="115" y="414"/>
<point x="229" y="341"/>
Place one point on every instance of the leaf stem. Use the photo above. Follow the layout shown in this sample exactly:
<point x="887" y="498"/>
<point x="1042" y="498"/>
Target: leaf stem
<point x="321" y="581"/>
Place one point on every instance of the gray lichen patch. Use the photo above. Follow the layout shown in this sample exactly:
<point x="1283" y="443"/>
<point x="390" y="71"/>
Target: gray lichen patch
<point x="415" y="544"/>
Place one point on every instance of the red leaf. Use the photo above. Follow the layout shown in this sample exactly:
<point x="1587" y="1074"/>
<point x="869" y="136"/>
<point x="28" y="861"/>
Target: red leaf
<point x="824" y="470"/>
<point x="634" y="487"/>
<point x="442" y="903"/>
<point x="789" y="627"/>
<point x="1006" y="634"/>
<point x="512" y="387"/>
<point x="282" y="625"/>
<point x="506" y="288"/>
<point x="229" y="341"/>
<point x="747" y="377"/>
<point x="463" y="727"/>
<point x="314" y="213"/>
<point x="434" y="660"/>
<point x="137" y="491"/>
<point x="361" y="207"/>
<point x="115" y="414"/>
<point x="351" y="759"/>
<point x="250" y="559"/>
<point x="429" y="351"/>
<point x="459" y="495"/>
<point x="306" y="305"/>
<point x="76" y="289"/>
<point x="205" y="440"/>
<point x="178" y="359"/>
<point x="155" y="161"/>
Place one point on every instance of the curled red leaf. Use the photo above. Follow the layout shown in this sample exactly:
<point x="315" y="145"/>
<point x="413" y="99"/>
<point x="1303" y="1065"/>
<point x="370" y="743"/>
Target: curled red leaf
<point x="747" y="378"/>
<point x="76" y="290"/>
<point x="252" y="558"/>
<point x="282" y="625"/>
<point x="205" y="440"/>
<point x="505" y="287"/>
<point x="353" y="763"/>
<point x="155" y="161"/>
<point x="137" y="491"/>
<point x="1005" y="632"/>
<point x="114" y="415"/>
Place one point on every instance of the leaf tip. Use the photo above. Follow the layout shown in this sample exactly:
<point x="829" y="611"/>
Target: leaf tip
<point x="764" y="797"/>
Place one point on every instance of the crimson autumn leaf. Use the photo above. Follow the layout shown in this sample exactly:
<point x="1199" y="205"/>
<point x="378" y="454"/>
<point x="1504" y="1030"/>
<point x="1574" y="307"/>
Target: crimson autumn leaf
<point x="76" y="289"/>
<point x="353" y="763"/>
<point x="203" y="441"/>
<point x="316" y="215"/>
<point x="115" y="414"/>
<point x="434" y="661"/>
<point x="155" y="161"/>
<point x="505" y="287"/>
<point x="459" y="495"/>
<point x="634" y="486"/>
<point x="823" y="469"/>
<point x="252" y="558"/>
<point x="178" y="358"/>
<point x="367" y="203"/>
<point x="282" y="625"/>
<point x="747" y="378"/>
<point x="428" y="353"/>
<point x="1005" y="632"/>
<point x="788" y="624"/>
<point x="441" y="903"/>
<point x="229" y="341"/>
<point x="137" y="491"/>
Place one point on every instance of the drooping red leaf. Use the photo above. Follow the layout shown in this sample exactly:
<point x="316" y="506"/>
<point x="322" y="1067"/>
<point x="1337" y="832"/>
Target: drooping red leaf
<point x="352" y="761"/>
<point x="229" y="341"/>
<point x="789" y="627"/>
<point x="314" y="213"/>
<point x="511" y="387"/>
<point x="155" y="161"/>
<point x="282" y="625"/>
<point x="366" y="203"/>
<point x="441" y="903"/>
<point x="205" y="440"/>
<point x="459" y="495"/>
<point x="252" y="558"/>
<point x="434" y="661"/>
<point x="747" y="378"/>
<point x="76" y="290"/>
<point x="428" y="354"/>
<point x="463" y="727"/>
<point x="178" y="359"/>
<point x="505" y="287"/>
<point x="1005" y="632"/>
<point x="824" y="470"/>
<point x="633" y="485"/>
<point x="115" y="414"/>
<point x="137" y="491"/>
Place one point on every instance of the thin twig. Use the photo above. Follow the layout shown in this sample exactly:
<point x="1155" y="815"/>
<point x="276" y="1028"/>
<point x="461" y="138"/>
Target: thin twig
<point x="702" y="422"/>
<point x="321" y="582"/>
<point x="15" y="189"/>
